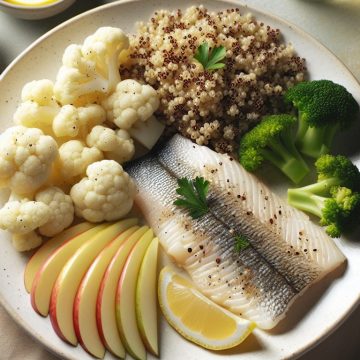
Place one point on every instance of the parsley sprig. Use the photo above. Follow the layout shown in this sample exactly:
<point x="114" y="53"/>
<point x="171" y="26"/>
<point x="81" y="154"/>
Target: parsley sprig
<point x="193" y="194"/>
<point x="210" y="60"/>
<point x="241" y="243"/>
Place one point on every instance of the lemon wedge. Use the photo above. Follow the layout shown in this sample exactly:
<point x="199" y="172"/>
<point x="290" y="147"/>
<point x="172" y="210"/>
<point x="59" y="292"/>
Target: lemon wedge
<point x="196" y="317"/>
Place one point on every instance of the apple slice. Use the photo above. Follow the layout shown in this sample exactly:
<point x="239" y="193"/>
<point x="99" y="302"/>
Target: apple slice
<point x="146" y="298"/>
<point x="69" y="279"/>
<point x="45" y="278"/>
<point x="85" y="301"/>
<point x="41" y="255"/>
<point x="105" y="311"/>
<point x="125" y="299"/>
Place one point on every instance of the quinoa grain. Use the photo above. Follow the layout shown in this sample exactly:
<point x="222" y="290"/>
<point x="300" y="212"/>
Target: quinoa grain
<point x="213" y="107"/>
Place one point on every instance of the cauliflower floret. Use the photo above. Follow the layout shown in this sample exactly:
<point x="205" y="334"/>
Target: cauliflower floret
<point x="116" y="145"/>
<point x="91" y="71"/>
<point x="104" y="48"/>
<point x="107" y="193"/>
<point x="39" y="91"/>
<point x="61" y="210"/>
<point x="74" y="158"/>
<point x="26" y="157"/>
<point x="131" y="102"/>
<point x="77" y="122"/>
<point x="26" y="242"/>
<point x="77" y="81"/>
<point x="38" y="107"/>
<point x="21" y="216"/>
<point x="50" y="213"/>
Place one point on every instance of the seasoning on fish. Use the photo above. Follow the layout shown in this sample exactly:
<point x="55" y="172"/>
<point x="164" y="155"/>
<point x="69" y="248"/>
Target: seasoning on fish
<point x="286" y="252"/>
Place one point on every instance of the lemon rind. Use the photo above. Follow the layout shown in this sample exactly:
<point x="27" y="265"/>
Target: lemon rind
<point x="165" y="278"/>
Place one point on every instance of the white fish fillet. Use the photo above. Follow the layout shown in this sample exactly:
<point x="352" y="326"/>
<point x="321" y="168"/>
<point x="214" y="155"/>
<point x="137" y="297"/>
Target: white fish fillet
<point x="288" y="252"/>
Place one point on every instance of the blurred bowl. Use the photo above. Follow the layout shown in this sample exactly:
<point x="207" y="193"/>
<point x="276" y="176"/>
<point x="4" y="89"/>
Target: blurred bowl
<point x="35" y="12"/>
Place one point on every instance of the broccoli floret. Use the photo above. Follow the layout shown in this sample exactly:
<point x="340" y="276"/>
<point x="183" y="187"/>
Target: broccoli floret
<point x="334" y="198"/>
<point x="272" y="140"/>
<point x="338" y="170"/>
<point x="334" y="171"/>
<point x="337" y="212"/>
<point x="324" y="109"/>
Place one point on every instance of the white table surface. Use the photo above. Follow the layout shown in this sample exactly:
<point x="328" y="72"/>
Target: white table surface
<point x="336" y="23"/>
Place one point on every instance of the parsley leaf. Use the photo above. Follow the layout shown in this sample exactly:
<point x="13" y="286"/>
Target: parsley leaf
<point x="241" y="243"/>
<point x="202" y="54"/>
<point x="210" y="61"/>
<point x="193" y="194"/>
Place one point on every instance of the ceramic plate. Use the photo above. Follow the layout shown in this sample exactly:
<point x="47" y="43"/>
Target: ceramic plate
<point x="313" y="317"/>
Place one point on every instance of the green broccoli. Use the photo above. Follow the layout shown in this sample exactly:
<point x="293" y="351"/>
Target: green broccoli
<point x="334" y="198"/>
<point x="324" y="108"/>
<point x="272" y="140"/>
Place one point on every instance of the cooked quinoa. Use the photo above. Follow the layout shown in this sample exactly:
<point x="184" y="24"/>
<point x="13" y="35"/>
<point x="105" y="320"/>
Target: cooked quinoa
<point x="213" y="107"/>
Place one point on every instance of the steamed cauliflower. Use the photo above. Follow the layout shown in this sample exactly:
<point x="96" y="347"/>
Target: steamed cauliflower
<point x="50" y="213"/>
<point x="21" y="216"/>
<point x="26" y="157"/>
<point x="26" y="242"/>
<point x="130" y="103"/>
<point x="38" y="107"/>
<point x="77" y="122"/>
<point x="116" y="145"/>
<point x="91" y="71"/>
<point x="39" y="91"/>
<point x="74" y="158"/>
<point x="106" y="194"/>
<point x="61" y="210"/>
<point x="68" y="113"/>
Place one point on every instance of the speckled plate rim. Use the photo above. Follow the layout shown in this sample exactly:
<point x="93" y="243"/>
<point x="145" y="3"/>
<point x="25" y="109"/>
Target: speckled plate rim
<point x="321" y="336"/>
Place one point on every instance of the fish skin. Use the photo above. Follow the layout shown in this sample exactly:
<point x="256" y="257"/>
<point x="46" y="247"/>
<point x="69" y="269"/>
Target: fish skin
<point x="262" y="281"/>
